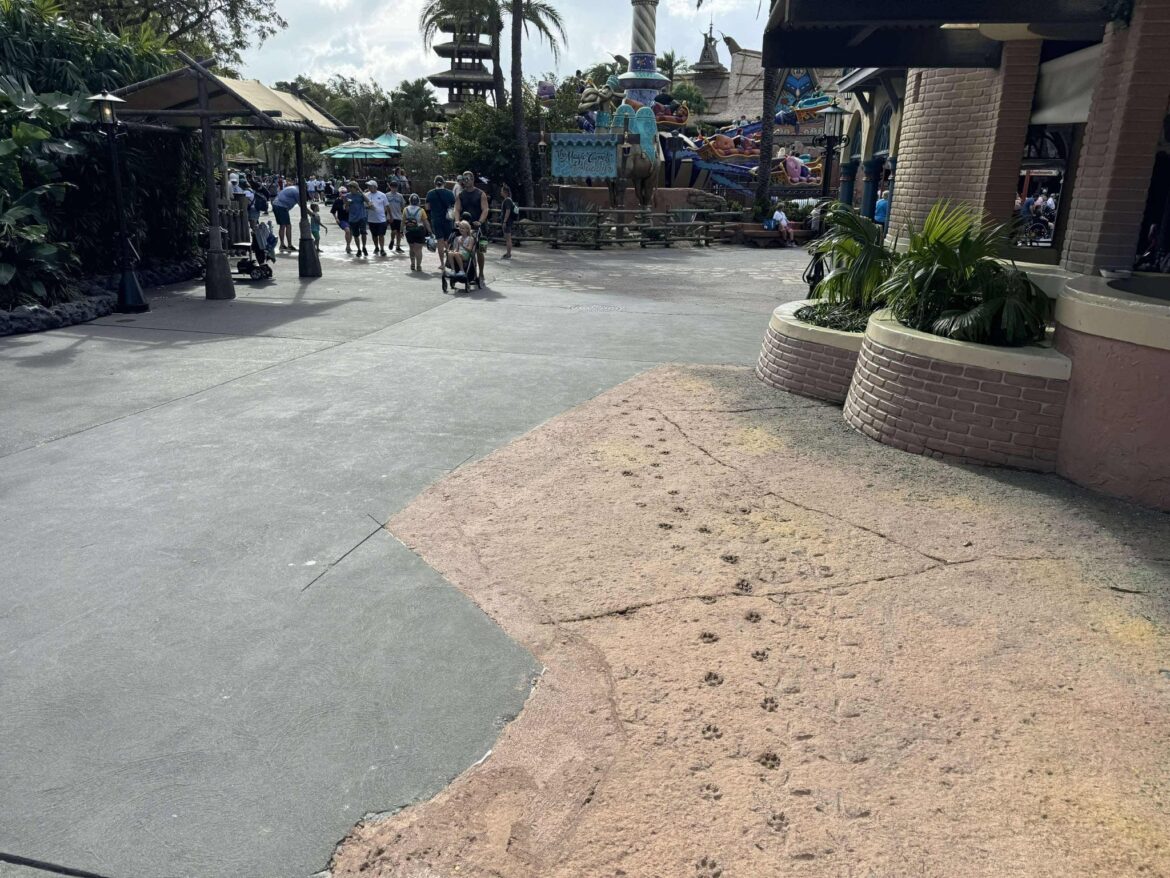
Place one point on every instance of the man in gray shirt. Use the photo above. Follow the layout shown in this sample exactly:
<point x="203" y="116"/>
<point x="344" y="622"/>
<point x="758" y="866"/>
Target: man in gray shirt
<point x="394" y="205"/>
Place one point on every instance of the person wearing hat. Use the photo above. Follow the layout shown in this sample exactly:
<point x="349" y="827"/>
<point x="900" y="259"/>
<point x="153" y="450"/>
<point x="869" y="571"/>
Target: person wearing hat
<point x="377" y="202"/>
<point x="340" y="211"/>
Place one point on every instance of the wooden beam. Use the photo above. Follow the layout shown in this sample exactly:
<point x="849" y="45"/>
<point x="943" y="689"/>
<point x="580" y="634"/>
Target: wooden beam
<point x="891" y="92"/>
<point x="865" y="12"/>
<point x="889" y="47"/>
<point x="862" y="35"/>
<point x="866" y="101"/>
<point x="197" y="113"/>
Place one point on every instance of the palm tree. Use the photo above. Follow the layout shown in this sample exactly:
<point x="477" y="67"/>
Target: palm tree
<point x="767" y="134"/>
<point x="671" y="63"/>
<point x="415" y="101"/>
<point x="546" y="21"/>
<point x="488" y="16"/>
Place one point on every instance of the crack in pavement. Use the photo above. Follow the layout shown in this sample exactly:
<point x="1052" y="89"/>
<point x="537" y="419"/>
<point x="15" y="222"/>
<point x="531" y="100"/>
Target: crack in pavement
<point x="769" y="493"/>
<point x="823" y="589"/>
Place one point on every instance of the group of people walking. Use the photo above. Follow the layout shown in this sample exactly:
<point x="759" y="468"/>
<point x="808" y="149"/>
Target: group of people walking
<point x="445" y="220"/>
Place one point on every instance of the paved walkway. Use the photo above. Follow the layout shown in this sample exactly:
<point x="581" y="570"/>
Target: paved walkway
<point x="213" y="659"/>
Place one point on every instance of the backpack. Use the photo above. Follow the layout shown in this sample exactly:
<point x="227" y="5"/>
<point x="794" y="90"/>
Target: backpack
<point x="260" y="202"/>
<point x="410" y="219"/>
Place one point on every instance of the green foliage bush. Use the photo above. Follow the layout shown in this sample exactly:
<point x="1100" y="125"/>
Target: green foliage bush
<point x="950" y="282"/>
<point x="161" y="172"/>
<point x="34" y="265"/>
<point x="857" y="260"/>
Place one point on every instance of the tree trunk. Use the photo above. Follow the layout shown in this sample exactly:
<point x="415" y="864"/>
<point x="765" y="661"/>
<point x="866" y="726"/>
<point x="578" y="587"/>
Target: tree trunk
<point x="767" y="135"/>
<point x="519" y="128"/>
<point x="497" y="26"/>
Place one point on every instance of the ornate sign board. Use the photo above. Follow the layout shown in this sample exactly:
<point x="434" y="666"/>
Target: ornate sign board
<point x="808" y="129"/>
<point x="585" y="155"/>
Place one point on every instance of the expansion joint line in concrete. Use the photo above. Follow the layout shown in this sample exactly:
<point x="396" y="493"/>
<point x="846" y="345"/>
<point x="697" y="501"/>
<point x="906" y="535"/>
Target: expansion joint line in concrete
<point x="51" y="868"/>
<point x="381" y="526"/>
<point x="770" y="493"/>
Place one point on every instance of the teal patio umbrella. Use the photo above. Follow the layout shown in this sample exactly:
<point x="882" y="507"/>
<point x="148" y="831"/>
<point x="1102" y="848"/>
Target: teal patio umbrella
<point x="393" y="140"/>
<point x="361" y="149"/>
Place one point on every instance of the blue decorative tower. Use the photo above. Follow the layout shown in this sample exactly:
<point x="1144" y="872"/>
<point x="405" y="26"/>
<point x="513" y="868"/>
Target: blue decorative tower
<point x="643" y="81"/>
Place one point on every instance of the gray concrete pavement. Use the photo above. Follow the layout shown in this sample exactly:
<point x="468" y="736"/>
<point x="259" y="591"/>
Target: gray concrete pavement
<point x="212" y="659"/>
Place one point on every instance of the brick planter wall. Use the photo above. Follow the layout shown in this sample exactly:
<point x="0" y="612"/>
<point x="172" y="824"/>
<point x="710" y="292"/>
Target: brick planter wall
<point x="966" y="413"/>
<point x="800" y="365"/>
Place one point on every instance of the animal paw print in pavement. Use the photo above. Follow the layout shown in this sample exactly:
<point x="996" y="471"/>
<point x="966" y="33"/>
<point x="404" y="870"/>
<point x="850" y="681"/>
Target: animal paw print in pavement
<point x="769" y="760"/>
<point x="711" y="732"/>
<point x="713" y="679"/>
<point x="769" y="704"/>
<point x="752" y="616"/>
<point x="730" y="559"/>
<point x="710" y="792"/>
<point x="743" y="587"/>
<point x="708" y="637"/>
<point x="707" y="867"/>
<point x="760" y="655"/>
<point x="777" y="821"/>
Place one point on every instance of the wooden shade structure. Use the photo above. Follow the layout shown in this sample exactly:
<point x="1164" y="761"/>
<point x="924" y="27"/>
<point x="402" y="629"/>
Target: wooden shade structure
<point x="194" y="97"/>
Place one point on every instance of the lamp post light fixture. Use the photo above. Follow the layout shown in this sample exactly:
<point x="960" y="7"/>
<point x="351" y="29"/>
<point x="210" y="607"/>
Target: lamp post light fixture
<point x="130" y="297"/>
<point x="834" y="137"/>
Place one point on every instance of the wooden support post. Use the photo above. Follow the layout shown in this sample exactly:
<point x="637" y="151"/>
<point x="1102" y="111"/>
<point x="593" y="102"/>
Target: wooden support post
<point x="308" y="262"/>
<point x="217" y="276"/>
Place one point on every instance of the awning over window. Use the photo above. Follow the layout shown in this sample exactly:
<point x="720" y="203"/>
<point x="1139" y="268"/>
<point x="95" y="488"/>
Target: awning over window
<point x="1064" y="90"/>
<point x="918" y="33"/>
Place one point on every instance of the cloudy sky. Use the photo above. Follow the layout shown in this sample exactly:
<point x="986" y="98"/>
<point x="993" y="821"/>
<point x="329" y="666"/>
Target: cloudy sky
<point x="381" y="40"/>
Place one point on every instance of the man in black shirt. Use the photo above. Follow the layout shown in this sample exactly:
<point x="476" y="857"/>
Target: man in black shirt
<point x="472" y="205"/>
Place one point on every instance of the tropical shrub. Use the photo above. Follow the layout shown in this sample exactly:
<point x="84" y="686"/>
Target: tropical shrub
<point x="858" y="263"/>
<point x="164" y="198"/>
<point x="950" y="282"/>
<point x="34" y="265"/>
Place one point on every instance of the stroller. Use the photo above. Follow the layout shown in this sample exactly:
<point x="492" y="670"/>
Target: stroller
<point x="261" y="251"/>
<point x="470" y="275"/>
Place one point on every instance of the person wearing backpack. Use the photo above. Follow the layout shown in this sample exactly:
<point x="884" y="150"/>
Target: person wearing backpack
<point x="418" y="226"/>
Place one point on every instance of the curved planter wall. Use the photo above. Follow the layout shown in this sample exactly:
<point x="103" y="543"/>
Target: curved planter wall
<point x="805" y="359"/>
<point x="1116" y="435"/>
<point x="973" y="403"/>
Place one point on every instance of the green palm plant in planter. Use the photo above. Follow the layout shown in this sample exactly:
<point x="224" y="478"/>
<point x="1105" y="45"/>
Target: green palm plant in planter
<point x="950" y="282"/>
<point x="853" y="246"/>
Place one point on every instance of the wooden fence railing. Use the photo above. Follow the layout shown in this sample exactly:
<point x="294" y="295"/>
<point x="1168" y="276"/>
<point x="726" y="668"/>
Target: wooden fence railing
<point x="616" y="227"/>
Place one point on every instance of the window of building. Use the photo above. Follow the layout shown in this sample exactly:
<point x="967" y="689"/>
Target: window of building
<point x="1043" y="190"/>
<point x="881" y="140"/>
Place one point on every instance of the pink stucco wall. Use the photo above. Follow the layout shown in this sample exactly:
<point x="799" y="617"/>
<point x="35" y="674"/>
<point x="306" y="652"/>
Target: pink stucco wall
<point x="1116" y="432"/>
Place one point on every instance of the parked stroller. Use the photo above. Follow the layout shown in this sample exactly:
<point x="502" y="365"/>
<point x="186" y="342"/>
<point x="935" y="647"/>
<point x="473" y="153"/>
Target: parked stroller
<point x="261" y="251"/>
<point x="470" y="275"/>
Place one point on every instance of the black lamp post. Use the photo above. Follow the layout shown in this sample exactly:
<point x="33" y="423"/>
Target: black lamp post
<point x="542" y="150"/>
<point x="833" y="137"/>
<point x="130" y="297"/>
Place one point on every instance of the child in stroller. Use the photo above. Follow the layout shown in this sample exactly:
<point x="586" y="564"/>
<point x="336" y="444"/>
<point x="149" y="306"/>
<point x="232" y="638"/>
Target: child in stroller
<point x="462" y="267"/>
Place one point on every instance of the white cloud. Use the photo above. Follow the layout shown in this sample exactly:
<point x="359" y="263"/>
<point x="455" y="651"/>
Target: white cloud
<point x="382" y="40"/>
